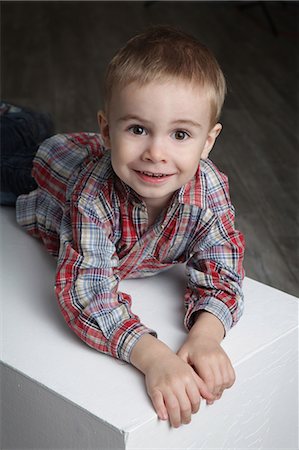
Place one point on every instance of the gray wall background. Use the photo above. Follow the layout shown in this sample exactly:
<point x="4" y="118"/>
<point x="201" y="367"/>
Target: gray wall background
<point x="53" y="57"/>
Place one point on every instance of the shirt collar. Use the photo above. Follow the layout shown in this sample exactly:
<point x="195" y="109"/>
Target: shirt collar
<point x="193" y="192"/>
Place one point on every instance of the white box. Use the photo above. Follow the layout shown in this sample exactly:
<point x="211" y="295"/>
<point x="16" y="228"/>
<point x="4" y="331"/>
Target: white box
<point x="57" y="393"/>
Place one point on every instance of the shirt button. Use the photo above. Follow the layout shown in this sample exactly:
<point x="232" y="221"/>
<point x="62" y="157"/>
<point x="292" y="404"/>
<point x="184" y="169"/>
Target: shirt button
<point x="162" y="227"/>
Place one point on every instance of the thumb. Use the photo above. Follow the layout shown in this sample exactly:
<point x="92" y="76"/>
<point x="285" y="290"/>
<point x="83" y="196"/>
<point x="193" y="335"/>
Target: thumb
<point x="183" y="355"/>
<point x="203" y="389"/>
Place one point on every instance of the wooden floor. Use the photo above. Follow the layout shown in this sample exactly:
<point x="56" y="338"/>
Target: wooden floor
<point x="53" y="59"/>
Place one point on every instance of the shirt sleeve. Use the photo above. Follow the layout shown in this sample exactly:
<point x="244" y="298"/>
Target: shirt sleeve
<point x="215" y="272"/>
<point x="87" y="285"/>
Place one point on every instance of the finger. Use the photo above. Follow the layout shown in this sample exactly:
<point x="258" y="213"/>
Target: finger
<point x="159" y="405"/>
<point x="218" y="395"/>
<point x="194" y="397"/>
<point x="231" y="377"/>
<point x="185" y="407"/>
<point x="203" y="389"/>
<point x="173" y="409"/>
<point x="207" y="376"/>
<point x="183" y="355"/>
<point x="218" y="382"/>
<point x="228" y="378"/>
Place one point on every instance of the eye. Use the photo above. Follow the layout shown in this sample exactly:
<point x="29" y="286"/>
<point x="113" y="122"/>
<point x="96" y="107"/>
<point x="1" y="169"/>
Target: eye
<point x="137" y="129"/>
<point x="180" y="135"/>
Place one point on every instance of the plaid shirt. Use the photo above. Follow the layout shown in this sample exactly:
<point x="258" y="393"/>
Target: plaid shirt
<point x="97" y="227"/>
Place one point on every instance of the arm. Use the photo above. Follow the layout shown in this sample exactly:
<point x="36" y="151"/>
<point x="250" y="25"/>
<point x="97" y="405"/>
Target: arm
<point x="215" y="273"/>
<point x="214" y="302"/>
<point x="87" y="284"/>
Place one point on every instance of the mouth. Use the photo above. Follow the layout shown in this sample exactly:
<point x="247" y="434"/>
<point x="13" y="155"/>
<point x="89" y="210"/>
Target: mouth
<point x="153" y="177"/>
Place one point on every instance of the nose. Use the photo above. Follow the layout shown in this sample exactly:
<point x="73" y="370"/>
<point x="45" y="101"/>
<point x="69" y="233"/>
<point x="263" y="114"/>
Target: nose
<point x="155" y="151"/>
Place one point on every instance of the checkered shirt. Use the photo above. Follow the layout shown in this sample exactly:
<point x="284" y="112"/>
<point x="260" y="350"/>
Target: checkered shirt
<point x="97" y="227"/>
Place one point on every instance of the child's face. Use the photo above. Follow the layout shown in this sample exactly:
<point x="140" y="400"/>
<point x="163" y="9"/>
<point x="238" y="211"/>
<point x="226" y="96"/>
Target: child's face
<point x="157" y="134"/>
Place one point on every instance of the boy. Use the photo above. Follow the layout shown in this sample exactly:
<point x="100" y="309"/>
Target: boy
<point x="136" y="199"/>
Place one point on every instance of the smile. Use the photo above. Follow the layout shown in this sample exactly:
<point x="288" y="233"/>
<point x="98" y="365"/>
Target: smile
<point x="153" y="177"/>
<point x="156" y="175"/>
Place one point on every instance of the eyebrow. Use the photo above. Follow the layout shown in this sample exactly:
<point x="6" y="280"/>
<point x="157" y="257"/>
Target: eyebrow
<point x="175" y="122"/>
<point x="132" y="117"/>
<point x="187" y="122"/>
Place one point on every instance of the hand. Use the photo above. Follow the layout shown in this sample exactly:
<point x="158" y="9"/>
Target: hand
<point x="202" y="351"/>
<point x="174" y="389"/>
<point x="173" y="386"/>
<point x="211" y="363"/>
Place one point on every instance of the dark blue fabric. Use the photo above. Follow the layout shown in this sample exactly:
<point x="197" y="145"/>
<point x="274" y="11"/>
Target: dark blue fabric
<point x="22" y="131"/>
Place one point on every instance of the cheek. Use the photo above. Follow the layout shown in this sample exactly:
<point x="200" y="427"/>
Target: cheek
<point x="121" y="158"/>
<point x="127" y="153"/>
<point x="189" y="163"/>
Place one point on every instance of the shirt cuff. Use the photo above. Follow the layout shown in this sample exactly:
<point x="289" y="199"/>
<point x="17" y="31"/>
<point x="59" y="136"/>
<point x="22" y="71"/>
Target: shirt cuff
<point x="125" y="337"/>
<point x="213" y="306"/>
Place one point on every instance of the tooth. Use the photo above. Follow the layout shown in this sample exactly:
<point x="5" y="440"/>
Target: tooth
<point x="157" y="175"/>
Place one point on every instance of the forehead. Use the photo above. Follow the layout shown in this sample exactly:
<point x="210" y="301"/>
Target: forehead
<point x="166" y="96"/>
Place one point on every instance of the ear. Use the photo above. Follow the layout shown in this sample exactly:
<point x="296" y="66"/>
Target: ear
<point x="104" y="128"/>
<point x="210" y="141"/>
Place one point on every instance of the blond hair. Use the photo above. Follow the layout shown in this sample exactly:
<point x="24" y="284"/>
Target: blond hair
<point x="161" y="53"/>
